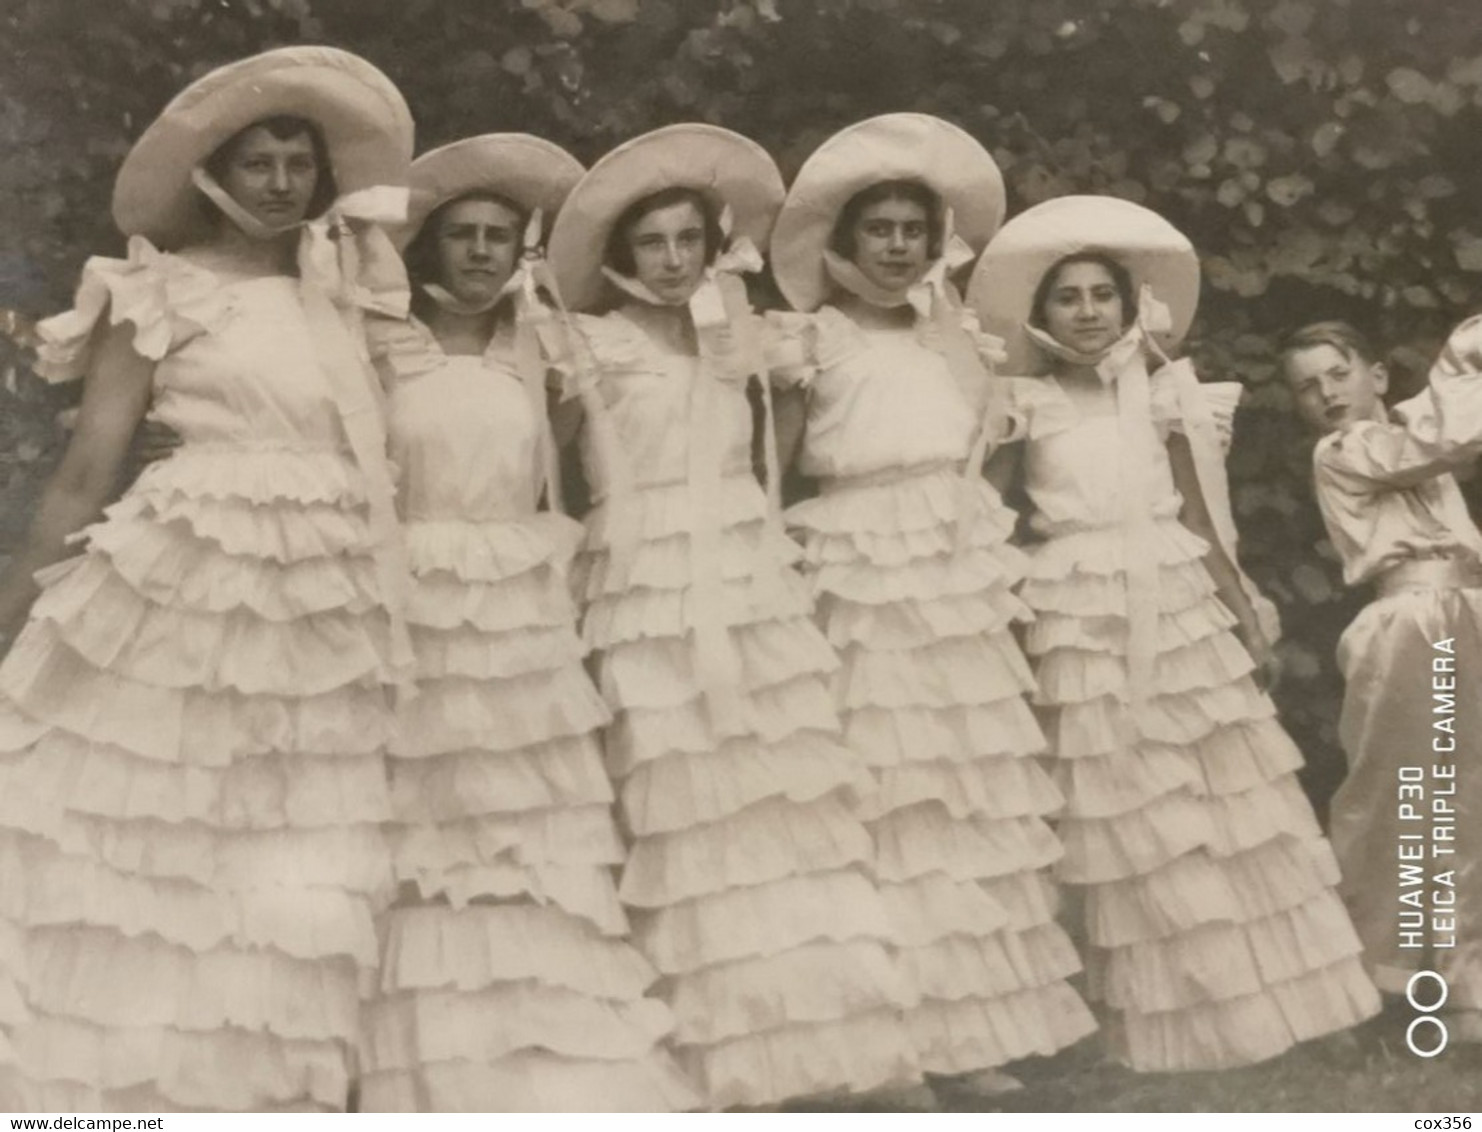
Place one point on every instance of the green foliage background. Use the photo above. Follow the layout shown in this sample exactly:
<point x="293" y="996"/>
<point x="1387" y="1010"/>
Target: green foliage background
<point x="1325" y="156"/>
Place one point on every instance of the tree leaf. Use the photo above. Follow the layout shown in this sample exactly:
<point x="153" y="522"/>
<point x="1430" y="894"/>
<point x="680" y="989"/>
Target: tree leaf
<point x="517" y="60"/>
<point x="1288" y="190"/>
<point x="1325" y="138"/>
<point x="1408" y="85"/>
<point x="1166" y="111"/>
<point x="613" y="11"/>
<point x="1312" y="583"/>
<point x="1435" y="186"/>
<point x="1293" y="60"/>
<point x="1245" y="153"/>
<point x="1468" y="250"/>
<point x="1202" y="150"/>
<point x="1292" y="16"/>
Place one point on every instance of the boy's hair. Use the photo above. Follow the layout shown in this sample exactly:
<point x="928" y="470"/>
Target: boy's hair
<point x="1342" y="336"/>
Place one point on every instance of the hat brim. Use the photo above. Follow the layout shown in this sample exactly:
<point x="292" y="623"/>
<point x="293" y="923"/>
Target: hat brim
<point x="366" y="124"/>
<point x="1154" y="252"/>
<point x="729" y="169"/>
<point x="906" y="147"/>
<point x="530" y="171"/>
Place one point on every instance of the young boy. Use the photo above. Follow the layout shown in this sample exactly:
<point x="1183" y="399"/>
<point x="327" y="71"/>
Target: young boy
<point x="1407" y="821"/>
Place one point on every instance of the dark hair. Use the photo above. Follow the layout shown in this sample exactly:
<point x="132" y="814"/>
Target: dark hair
<point x="421" y="253"/>
<point x="1342" y="336"/>
<point x="283" y="127"/>
<point x="1121" y="279"/>
<point x="841" y="239"/>
<point x="618" y="254"/>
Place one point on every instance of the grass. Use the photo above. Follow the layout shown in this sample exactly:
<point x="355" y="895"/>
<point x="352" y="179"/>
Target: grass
<point x="1367" y="1069"/>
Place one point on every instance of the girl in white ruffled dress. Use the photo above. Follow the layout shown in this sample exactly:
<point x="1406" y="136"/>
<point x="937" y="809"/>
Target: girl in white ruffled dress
<point x="508" y="982"/>
<point x="747" y="878"/>
<point x="1216" y="938"/>
<point x="193" y="720"/>
<point x="906" y="548"/>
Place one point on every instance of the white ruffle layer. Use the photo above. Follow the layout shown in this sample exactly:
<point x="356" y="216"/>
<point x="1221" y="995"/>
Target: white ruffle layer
<point x="513" y="973"/>
<point x="192" y="730"/>
<point x="932" y="688"/>
<point x="744" y="879"/>
<point x="1218" y="940"/>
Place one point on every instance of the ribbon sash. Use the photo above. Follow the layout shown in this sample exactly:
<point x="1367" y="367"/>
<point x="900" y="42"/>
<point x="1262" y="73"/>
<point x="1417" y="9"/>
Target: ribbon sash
<point x="347" y="265"/>
<point x="728" y="333"/>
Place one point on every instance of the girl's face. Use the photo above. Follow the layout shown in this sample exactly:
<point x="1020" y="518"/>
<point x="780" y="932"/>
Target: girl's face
<point x="272" y="178"/>
<point x="478" y="246"/>
<point x="668" y="246"/>
<point x="892" y="239"/>
<point x="1083" y="308"/>
<point x="1333" y="388"/>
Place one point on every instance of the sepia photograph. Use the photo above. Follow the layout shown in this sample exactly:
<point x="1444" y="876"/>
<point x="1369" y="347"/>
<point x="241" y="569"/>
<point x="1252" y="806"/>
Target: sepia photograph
<point x="752" y="556"/>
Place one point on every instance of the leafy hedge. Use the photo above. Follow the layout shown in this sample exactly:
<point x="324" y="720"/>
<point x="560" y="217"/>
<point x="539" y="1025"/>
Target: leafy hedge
<point x="1324" y="155"/>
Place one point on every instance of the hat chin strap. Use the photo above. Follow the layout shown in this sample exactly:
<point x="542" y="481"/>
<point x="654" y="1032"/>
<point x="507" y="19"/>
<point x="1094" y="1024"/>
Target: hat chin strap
<point x="1070" y="355"/>
<point x="925" y="295"/>
<point x="635" y="288"/>
<point x="233" y="210"/>
<point x="451" y="303"/>
<point x="847" y="275"/>
<point x="922" y="295"/>
<point x="1153" y="318"/>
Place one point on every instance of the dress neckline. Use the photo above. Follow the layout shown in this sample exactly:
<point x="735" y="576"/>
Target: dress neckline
<point x="496" y="357"/>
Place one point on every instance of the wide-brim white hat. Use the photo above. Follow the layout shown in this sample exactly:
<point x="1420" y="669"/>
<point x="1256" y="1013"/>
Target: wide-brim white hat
<point x="892" y="147"/>
<point x="530" y="171"/>
<point x="366" y="124"/>
<point x="729" y="169"/>
<point x="1152" y="250"/>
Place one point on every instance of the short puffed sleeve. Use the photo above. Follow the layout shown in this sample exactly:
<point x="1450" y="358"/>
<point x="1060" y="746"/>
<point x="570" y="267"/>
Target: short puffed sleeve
<point x="1182" y="403"/>
<point x="588" y="350"/>
<point x="166" y="299"/>
<point x="790" y="346"/>
<point x="838" y="338"/>
<point x="1041" y="404"/>
<point x="991" y="348"/>
<point x="400" y="348"/>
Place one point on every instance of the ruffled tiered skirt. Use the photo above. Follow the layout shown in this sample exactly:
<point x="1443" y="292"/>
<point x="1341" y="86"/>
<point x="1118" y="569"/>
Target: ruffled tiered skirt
<point x="747" y="878"/>
<point x="932" y="689"/>
<point x="1216" y="936"/>
<point x="1396" y="716"/>
<point x="508" y="982"/>
<point x="192" y="730"/>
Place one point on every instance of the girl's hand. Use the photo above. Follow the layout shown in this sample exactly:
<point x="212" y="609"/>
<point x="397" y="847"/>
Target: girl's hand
<point x="1268" y="664"/>
<point x="153" y="442"/>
